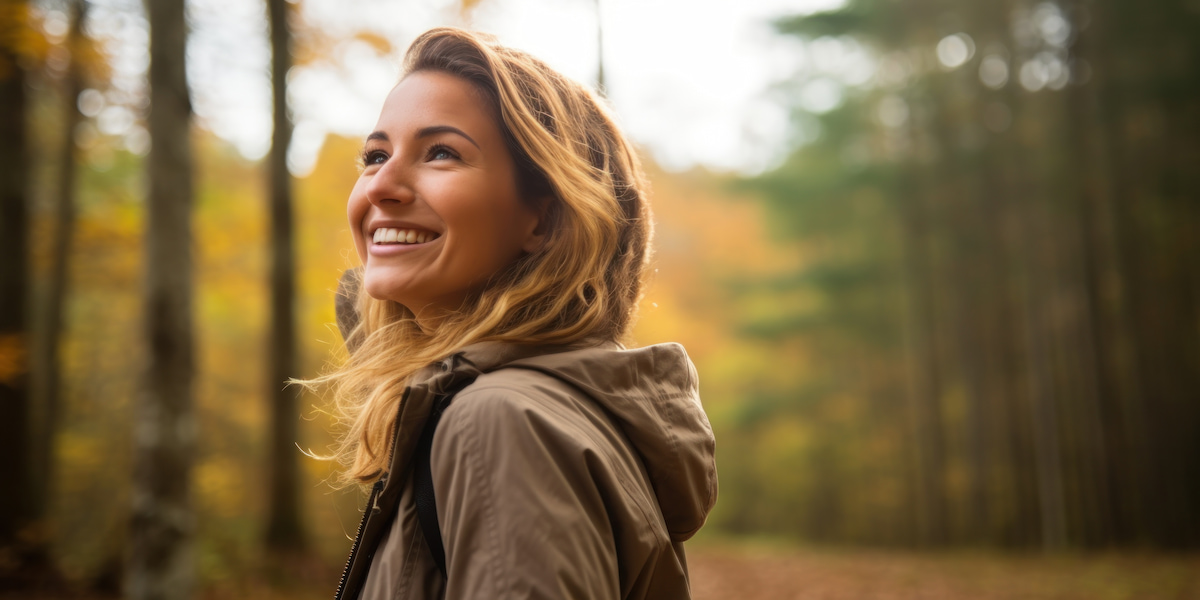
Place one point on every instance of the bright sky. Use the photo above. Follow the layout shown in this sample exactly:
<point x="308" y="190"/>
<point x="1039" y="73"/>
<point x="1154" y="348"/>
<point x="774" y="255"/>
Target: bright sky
<point x="689" y="79"/>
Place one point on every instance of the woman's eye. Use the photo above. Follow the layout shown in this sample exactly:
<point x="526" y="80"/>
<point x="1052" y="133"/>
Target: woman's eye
<point x="441" y="153"/>
<point x="374" y="157"/>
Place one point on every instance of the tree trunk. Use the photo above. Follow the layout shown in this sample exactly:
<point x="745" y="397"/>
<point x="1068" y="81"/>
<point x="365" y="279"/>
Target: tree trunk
<point x="47" y="372"/>
<point x="1094" y="247"/>
<point x="1035" y="252"/>
<point x="600" y="83"/>
<point x="923" y="375"/>
<point x="17" y="507"/>
<point x="160" y="559"/>
<point x="284" y="530"/>
<point x="1124" y="407"/>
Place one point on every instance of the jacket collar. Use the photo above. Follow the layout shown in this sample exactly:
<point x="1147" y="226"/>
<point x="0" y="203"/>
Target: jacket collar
<point x="450" y="373"/>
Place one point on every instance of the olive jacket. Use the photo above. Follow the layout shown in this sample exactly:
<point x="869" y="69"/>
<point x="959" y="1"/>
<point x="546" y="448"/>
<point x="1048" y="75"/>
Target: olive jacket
<point x="558" y="473"/>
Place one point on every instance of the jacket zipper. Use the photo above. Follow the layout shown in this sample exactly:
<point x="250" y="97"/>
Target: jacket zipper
<point x="372" y="506"/>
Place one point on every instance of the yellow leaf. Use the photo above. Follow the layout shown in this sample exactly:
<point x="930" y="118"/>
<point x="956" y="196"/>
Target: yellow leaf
<point x="380" y="44"/>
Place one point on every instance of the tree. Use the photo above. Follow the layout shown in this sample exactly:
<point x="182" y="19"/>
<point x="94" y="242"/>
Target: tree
<point x="46" y="366"/>
<point x="162" y="525"/>
<point x="600" y="83"/>
<point x="18" y="512"/>
<point x="284" y="530"/>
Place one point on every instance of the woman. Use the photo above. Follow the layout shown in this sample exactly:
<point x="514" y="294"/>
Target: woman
<point x="516" y="449"/>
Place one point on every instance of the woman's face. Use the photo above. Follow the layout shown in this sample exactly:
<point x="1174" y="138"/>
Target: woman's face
<point x="436" y="211"/>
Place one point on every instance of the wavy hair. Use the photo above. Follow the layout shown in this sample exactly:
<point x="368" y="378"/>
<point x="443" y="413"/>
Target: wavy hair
<point x="581" y="286"/>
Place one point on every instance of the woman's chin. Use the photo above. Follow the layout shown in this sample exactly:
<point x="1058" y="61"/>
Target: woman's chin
<point x="382" y="286"/>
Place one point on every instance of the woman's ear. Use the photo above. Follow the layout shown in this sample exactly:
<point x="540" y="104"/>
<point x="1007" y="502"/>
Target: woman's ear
<point x="534" y="243"/>
<point x="536" y="238"/>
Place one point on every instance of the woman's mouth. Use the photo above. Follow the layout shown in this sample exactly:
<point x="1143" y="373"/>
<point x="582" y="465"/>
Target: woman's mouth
<point x="389" y="235"/>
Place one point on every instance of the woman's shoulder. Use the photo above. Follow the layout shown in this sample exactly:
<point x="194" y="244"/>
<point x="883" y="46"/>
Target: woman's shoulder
<point x="587" y="380"/>
<point x="530" y="399"/>
<point x="643" y="385"/>
<point x="637" y="410"/>
<point x="519" y="423"/>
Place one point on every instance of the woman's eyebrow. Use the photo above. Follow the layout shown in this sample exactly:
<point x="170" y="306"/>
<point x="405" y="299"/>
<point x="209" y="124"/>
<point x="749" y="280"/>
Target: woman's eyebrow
<point x="436" y="129"/>
<point x="426" y="132"/>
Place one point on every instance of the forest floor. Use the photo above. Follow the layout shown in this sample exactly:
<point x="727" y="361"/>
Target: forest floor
<point x="764" y="572"/>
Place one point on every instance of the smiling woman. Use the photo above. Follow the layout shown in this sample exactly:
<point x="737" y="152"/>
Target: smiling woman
<point x="514" y="446"/>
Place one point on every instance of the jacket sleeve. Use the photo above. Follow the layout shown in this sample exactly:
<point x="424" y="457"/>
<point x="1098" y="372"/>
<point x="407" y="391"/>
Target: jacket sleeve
<point x="520" y="512"/>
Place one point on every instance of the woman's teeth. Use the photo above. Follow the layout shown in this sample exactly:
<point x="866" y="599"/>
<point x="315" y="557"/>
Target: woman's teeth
<point x="387" y="235"/>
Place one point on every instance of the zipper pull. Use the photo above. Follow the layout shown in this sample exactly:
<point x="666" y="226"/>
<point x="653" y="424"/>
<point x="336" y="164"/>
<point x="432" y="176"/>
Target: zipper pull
<point x="375" y="490"/>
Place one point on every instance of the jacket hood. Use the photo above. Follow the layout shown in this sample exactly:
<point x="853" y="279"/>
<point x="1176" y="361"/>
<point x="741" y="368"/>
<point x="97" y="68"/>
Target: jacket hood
<point x="652" y="393"/>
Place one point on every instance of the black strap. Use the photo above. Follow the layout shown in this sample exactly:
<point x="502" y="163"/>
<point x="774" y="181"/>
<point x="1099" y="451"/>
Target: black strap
<point x="423" y="480"/>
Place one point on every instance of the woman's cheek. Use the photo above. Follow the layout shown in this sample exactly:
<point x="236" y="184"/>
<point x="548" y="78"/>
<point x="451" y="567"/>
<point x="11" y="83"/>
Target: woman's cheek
<point x="356" y="212"/>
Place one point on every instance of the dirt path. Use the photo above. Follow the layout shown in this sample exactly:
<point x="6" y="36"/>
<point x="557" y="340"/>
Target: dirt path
<point x="749" y="574"/>
<point x="739" y="572"/>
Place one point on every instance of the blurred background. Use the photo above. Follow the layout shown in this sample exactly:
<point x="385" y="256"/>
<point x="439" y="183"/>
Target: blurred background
<point x="938" y="265"/>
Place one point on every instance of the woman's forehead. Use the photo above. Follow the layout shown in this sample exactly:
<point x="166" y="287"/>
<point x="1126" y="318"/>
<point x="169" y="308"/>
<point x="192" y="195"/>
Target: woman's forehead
<point x="429" y="98"/>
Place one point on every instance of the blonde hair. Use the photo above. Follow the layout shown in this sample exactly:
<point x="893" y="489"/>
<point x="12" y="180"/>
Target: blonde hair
<point x="581" y="286"/>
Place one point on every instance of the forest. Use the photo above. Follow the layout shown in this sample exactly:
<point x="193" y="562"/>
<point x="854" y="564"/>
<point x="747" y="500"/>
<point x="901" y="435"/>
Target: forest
<point x="958" y="314"/>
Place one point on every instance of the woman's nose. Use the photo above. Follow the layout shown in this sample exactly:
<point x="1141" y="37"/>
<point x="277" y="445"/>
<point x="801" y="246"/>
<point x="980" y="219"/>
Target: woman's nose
<point x="390" y="184"/>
